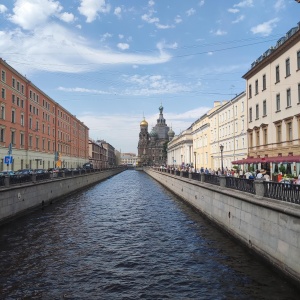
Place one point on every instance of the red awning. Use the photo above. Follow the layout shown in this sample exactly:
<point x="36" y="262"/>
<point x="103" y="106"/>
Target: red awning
<point x="274" y="159"/>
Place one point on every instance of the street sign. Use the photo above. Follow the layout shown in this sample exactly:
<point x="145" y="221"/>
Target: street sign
<point x="8" y="159"/>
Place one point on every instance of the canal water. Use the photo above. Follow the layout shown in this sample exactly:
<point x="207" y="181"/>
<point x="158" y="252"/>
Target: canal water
<point x="128" y="238"/>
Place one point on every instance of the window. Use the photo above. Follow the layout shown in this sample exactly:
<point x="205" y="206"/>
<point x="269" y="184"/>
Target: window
<point x="22" y="139"/>
<point x="265" y="132"/>
<point x="22" y="120"/>
<point x="256" y="87"/>
<point x="37" y="143"/>
<point x="22" y="89"/>
<point x="18" y="101"/>
<point x="277" y="74"/>
<point x="257" y="138"/>
<point x="22" y="103"/>
<point x="12" y="137"/>
<point x="251" y="139"/>
<point x="264" y="108"/>
<point x="298" y="92"/>
<point x="30" y="94"/>
<point x="43" y="144"/>
<point x="30" y="141"/>
<point x="30" y="123"/>
<point x="250" y="114"/>
<point x="37" y="125"/>
<point x="13" y="83"/>
<point x="13" y="98"/>
<point x="256" y="111"/>
<point x="278" y="133"/>
<point x="298" y="60"/>
<point x="13" y="116"/>
<point x="289" y="131"/>
<point x="250" y="91"/>
<point x="18" y="85"/>
<point x="3" y="93"/>
<point x="2" y="134"/>
<point x="278" y="102"/>
<point x="287" y="67"/>
<point x="30" y="108"/>
<point x="2" y="112"/>
<point x="288" y="98"/>
<point x="242" y="109"/>
<point x="3" y="76"/>
<point x="264" y="82"/>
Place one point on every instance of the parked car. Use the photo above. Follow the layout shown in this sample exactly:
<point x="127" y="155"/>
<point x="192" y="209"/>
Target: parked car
<point x="40" y="171"/>
<point x="7" y="173"/>
<point x="53" y="170"/>
<point x="25" y="172"/>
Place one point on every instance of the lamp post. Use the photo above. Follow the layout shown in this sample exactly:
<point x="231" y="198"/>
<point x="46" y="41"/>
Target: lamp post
<point x="221" y="149"/>
<point x="173" y="161"/>
<point x="195" y="161"/>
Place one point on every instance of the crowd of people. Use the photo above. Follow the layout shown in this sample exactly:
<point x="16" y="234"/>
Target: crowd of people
<point x="258" y="174"/>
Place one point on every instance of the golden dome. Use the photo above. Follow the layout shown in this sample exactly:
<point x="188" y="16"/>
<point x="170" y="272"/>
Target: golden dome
<point x="144" y="123"/>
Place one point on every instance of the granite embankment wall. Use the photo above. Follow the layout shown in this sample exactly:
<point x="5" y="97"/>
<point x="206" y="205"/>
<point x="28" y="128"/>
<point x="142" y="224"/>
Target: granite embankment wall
<point x="268" y="227"/>
<point x="19" y="199"/>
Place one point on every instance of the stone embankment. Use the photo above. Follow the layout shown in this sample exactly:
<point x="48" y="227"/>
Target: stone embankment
<point x="268" y="227"/>
<point x="18" y="199"/>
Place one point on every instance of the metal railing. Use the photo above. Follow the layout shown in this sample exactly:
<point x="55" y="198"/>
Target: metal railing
<point x="245" y="185"/>
<point x="282" y="191"/>
<point x="18" y="179"/>
<point x="42" y="176"/>
<point x="287" y="192"/>
<point x="213" y="179"/>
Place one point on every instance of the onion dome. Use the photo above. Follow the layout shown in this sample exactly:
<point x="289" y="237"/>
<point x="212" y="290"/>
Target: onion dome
<point x="153" y="133"/>
<point x="171" y="133"/>
<point x="144" y="123"/>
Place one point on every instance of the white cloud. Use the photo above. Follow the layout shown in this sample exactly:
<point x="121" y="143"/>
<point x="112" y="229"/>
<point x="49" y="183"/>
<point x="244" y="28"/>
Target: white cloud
<point x="55" y="49"/>
<point x="3" y="8"/>
<point x="149" y="19"/>
<point x="238" y="19"/>
<point x="91" y="9"/>
<point x="105" y="36"/>
<point x="265" y="28"/>
<point x="178" y="19"/>
<point x="82" y="90"/>
<point x="123" y="46"/>
<point x="210" y="53"/>
<point x="121" y="36"/>
<point x="32" y="13"/>
<point x="201" y="3"/>
<point x="218" y="32"/>
<point x="78" y="26"/>
<point x="151" y="3"/>
<point x="118" y="11"/>
<point x="233" y="10"/>
<point x="245" y="3"/>
<point x="161" y="26"/>
<point x="67" y="17"/>
<point x="279" y="5"/>
<point x="190" y="12"/>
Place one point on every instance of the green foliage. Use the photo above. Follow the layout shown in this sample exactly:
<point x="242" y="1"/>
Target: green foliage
<point x="282" y="169"/>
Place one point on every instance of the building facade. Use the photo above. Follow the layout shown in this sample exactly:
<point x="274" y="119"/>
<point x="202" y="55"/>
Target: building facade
<point x="129" y="159"/>
<point x="39" y="132"/>
<point x="152" y="147"/>
<point x="273" y="98"/>
<point x="110" y="154"/>
<point x="97" y="154"/>
<point x="228" y="126"/>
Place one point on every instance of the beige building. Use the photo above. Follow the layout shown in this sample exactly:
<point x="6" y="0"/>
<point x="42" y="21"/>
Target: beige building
<point x="228" y="128"/>
<point x="129" y="159"/>
<point x="180" y="148"/>
<point x="201" y="135"/>
<point x="273" y="98"/>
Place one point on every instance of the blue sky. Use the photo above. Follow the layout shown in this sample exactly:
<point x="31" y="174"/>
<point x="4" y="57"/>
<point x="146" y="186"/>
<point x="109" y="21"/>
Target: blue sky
<point x="110" y="62"/>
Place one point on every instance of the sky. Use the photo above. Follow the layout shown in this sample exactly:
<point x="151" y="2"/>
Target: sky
<point x="111" y="62"/>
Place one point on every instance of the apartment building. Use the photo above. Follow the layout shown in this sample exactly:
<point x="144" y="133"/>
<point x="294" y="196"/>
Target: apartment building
<point x="97" y="154"/>
<point x="180" y="148"/>
<point x="273" y="101"/>
<point x="228" y="128"/>
<point x="36" y="128"/>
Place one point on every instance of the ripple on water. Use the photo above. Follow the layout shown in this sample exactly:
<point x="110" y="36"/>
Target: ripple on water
<point x="128" y="238"/>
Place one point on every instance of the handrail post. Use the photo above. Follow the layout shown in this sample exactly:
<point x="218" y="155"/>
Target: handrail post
<point x="6" y="181"/>
<point x="222" y="181"/>
<point x="259" y="187"/>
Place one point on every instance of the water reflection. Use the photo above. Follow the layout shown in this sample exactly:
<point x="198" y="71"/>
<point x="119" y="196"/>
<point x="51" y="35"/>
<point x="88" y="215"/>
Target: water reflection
<point x="128" y="238"/>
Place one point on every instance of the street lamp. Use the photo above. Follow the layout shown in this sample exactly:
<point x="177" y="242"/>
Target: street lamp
<point x="173" y="161"/>
<point x="221" y="149"/>
<point x="195" y="160"/>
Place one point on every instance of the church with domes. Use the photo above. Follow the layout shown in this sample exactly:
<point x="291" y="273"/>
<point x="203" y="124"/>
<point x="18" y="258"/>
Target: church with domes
<point x="152" y="147"/>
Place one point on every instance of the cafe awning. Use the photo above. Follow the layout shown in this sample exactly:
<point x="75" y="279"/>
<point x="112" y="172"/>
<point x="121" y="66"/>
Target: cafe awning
<point x="274" y="159"/>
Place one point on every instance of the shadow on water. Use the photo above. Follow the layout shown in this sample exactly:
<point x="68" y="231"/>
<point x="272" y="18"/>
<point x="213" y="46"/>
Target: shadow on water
<point x="128" y="238"/>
